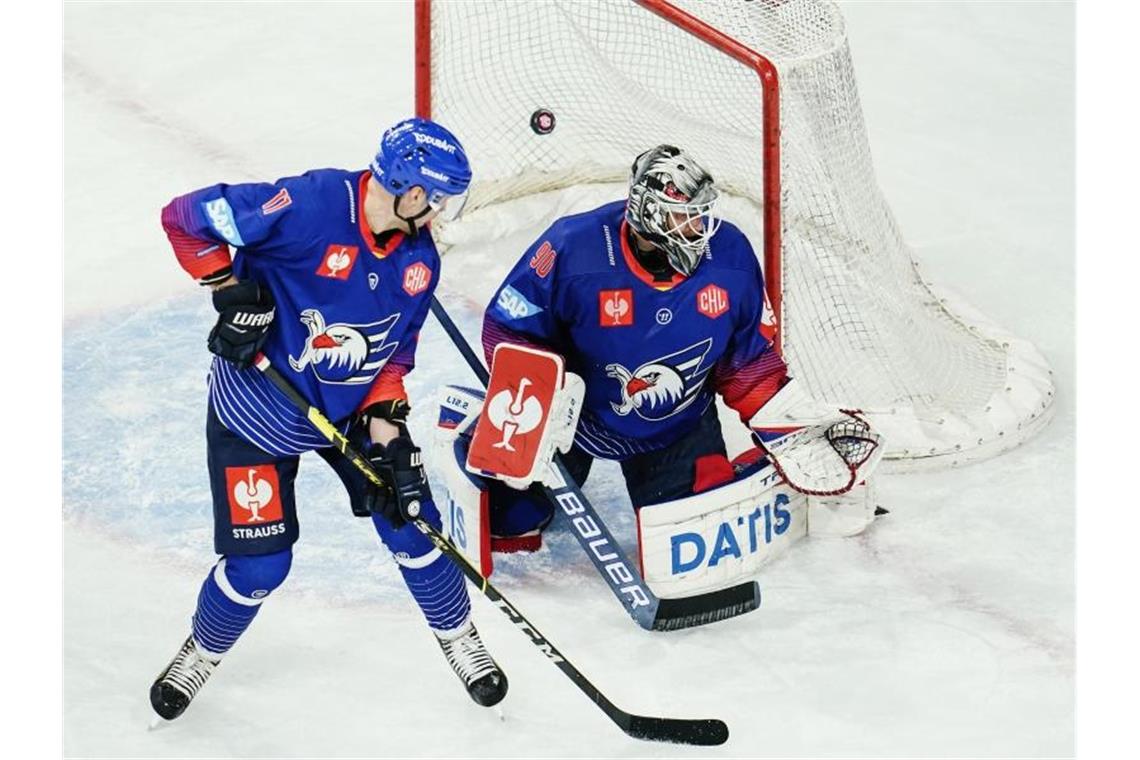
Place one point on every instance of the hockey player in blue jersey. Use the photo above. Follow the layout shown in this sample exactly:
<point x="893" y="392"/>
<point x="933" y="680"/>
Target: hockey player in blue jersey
<point x="658" y="305"/>
<point x="331" y="277"/>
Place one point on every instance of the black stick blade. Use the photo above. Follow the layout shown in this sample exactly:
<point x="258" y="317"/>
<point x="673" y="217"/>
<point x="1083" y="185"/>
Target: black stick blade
<point x="690" y="611"/>
<point x="707" y="732"/>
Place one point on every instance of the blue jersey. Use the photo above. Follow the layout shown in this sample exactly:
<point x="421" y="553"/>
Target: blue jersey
<point x="348" y="312"/>
<point x="652" y="353"/>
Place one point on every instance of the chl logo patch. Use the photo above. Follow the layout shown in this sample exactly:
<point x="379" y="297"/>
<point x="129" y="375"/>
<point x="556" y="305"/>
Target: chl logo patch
<point x="254" y="494"/>
<point x="417" y="277"/>
<point x="615" y="308"/>
<point x="712" y="301"/>
<point x="338" y="261"/>
<point x="543" y="259"/>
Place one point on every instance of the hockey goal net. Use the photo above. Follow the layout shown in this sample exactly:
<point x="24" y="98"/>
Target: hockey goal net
<point x="551" y="94"/>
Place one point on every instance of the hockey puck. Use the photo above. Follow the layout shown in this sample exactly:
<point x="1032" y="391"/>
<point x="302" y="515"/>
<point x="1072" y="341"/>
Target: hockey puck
<point x="542" y="121"/>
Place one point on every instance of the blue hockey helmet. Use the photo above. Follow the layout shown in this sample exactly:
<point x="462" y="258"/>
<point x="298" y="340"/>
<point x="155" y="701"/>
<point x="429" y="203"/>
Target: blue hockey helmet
<point x="420" y="152"/>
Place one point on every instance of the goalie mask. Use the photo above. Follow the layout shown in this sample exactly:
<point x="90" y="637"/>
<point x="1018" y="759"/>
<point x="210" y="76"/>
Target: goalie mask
<point x="671" y="200"/>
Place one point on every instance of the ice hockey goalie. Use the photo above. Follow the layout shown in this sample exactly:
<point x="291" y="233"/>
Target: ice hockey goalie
<point x="494" y="452"/>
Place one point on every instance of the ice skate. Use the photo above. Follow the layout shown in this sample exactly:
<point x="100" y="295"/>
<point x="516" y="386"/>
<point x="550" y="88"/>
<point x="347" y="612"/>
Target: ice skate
<point x="484" y="679"/>
<point x="176" y="686"/>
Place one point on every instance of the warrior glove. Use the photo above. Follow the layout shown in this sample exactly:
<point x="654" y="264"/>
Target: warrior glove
<point x="400" y="465"/>
<point x="245" y="313"/>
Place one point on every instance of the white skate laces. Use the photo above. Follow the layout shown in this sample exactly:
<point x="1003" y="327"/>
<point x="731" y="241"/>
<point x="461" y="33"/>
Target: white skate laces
<point x="190" y="669"/>
<point x="467" y="655"/>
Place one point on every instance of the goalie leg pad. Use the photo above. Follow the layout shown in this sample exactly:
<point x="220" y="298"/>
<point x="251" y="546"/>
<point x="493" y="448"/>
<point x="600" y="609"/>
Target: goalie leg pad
<point x="718" y="538"/>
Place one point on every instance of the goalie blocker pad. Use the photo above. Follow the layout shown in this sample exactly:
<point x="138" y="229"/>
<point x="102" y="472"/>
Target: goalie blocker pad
<point x="720" y="537"/>
<point x="531" y="411"/>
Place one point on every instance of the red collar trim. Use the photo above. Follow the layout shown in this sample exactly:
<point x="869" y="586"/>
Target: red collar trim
<point x="365" y="233"/>
<point x="639" y="271"/>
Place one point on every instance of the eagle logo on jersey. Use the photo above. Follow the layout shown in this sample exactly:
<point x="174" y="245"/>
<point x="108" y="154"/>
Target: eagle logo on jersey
<point x="344" y="353"/>
<point x="661" y="387"/>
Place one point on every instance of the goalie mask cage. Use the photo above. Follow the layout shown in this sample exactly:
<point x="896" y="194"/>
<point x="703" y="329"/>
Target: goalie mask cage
<point x="762" y="93"/>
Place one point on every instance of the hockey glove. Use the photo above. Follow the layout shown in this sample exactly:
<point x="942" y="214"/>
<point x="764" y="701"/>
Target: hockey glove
<point x="400" y="466"/>
<point x="245" y="314"/>
<point x="820" y="450"/>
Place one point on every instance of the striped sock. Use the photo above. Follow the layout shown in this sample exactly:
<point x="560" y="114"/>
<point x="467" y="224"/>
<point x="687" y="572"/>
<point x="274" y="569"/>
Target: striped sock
<point x="438" y="588"/>
<point x="222" y="614"/>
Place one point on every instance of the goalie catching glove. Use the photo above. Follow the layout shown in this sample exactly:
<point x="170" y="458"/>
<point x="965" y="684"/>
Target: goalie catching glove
<point x="818" y="449"/>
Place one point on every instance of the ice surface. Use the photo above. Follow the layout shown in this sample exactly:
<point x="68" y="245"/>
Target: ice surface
<point x="947" y="629"/>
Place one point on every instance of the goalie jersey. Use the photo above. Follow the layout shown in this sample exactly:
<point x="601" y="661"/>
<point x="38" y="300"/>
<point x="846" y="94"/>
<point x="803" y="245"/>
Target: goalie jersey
<point x="652" y="353"/>
<point x="348" y="310"/>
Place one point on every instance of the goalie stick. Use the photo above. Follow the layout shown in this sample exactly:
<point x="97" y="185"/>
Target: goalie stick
<point x="607" y="556"/>
<point x="699" y="731"/>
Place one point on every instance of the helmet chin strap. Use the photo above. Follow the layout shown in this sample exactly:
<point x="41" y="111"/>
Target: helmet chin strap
<point x="413" y="230"/>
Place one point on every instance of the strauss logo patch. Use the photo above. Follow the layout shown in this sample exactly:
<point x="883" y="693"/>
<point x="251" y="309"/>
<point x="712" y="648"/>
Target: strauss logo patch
<point x="615" y="308"/>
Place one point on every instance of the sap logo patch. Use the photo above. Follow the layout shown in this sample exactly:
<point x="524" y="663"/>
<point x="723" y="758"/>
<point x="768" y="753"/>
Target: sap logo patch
<point x="276" y="203"/>
<point x="615" y="308"/>
<point x="543" y="259"/>
<point x="417" y="277"/>
<point x="514" y="305"/>
<point x="338" y="261"/>
<point x="254" y="494"/>
<point x="222" y="219"/>
<point x="712" y="301"/>
<point x="691" y="550"/>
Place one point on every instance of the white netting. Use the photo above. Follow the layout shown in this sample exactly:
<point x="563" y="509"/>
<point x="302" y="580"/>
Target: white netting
<point x="861" y="327"/>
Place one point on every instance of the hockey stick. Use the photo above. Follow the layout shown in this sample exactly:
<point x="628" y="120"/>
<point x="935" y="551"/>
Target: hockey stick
<point x="704" y="732"/>
<point x="606" y="554"/>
